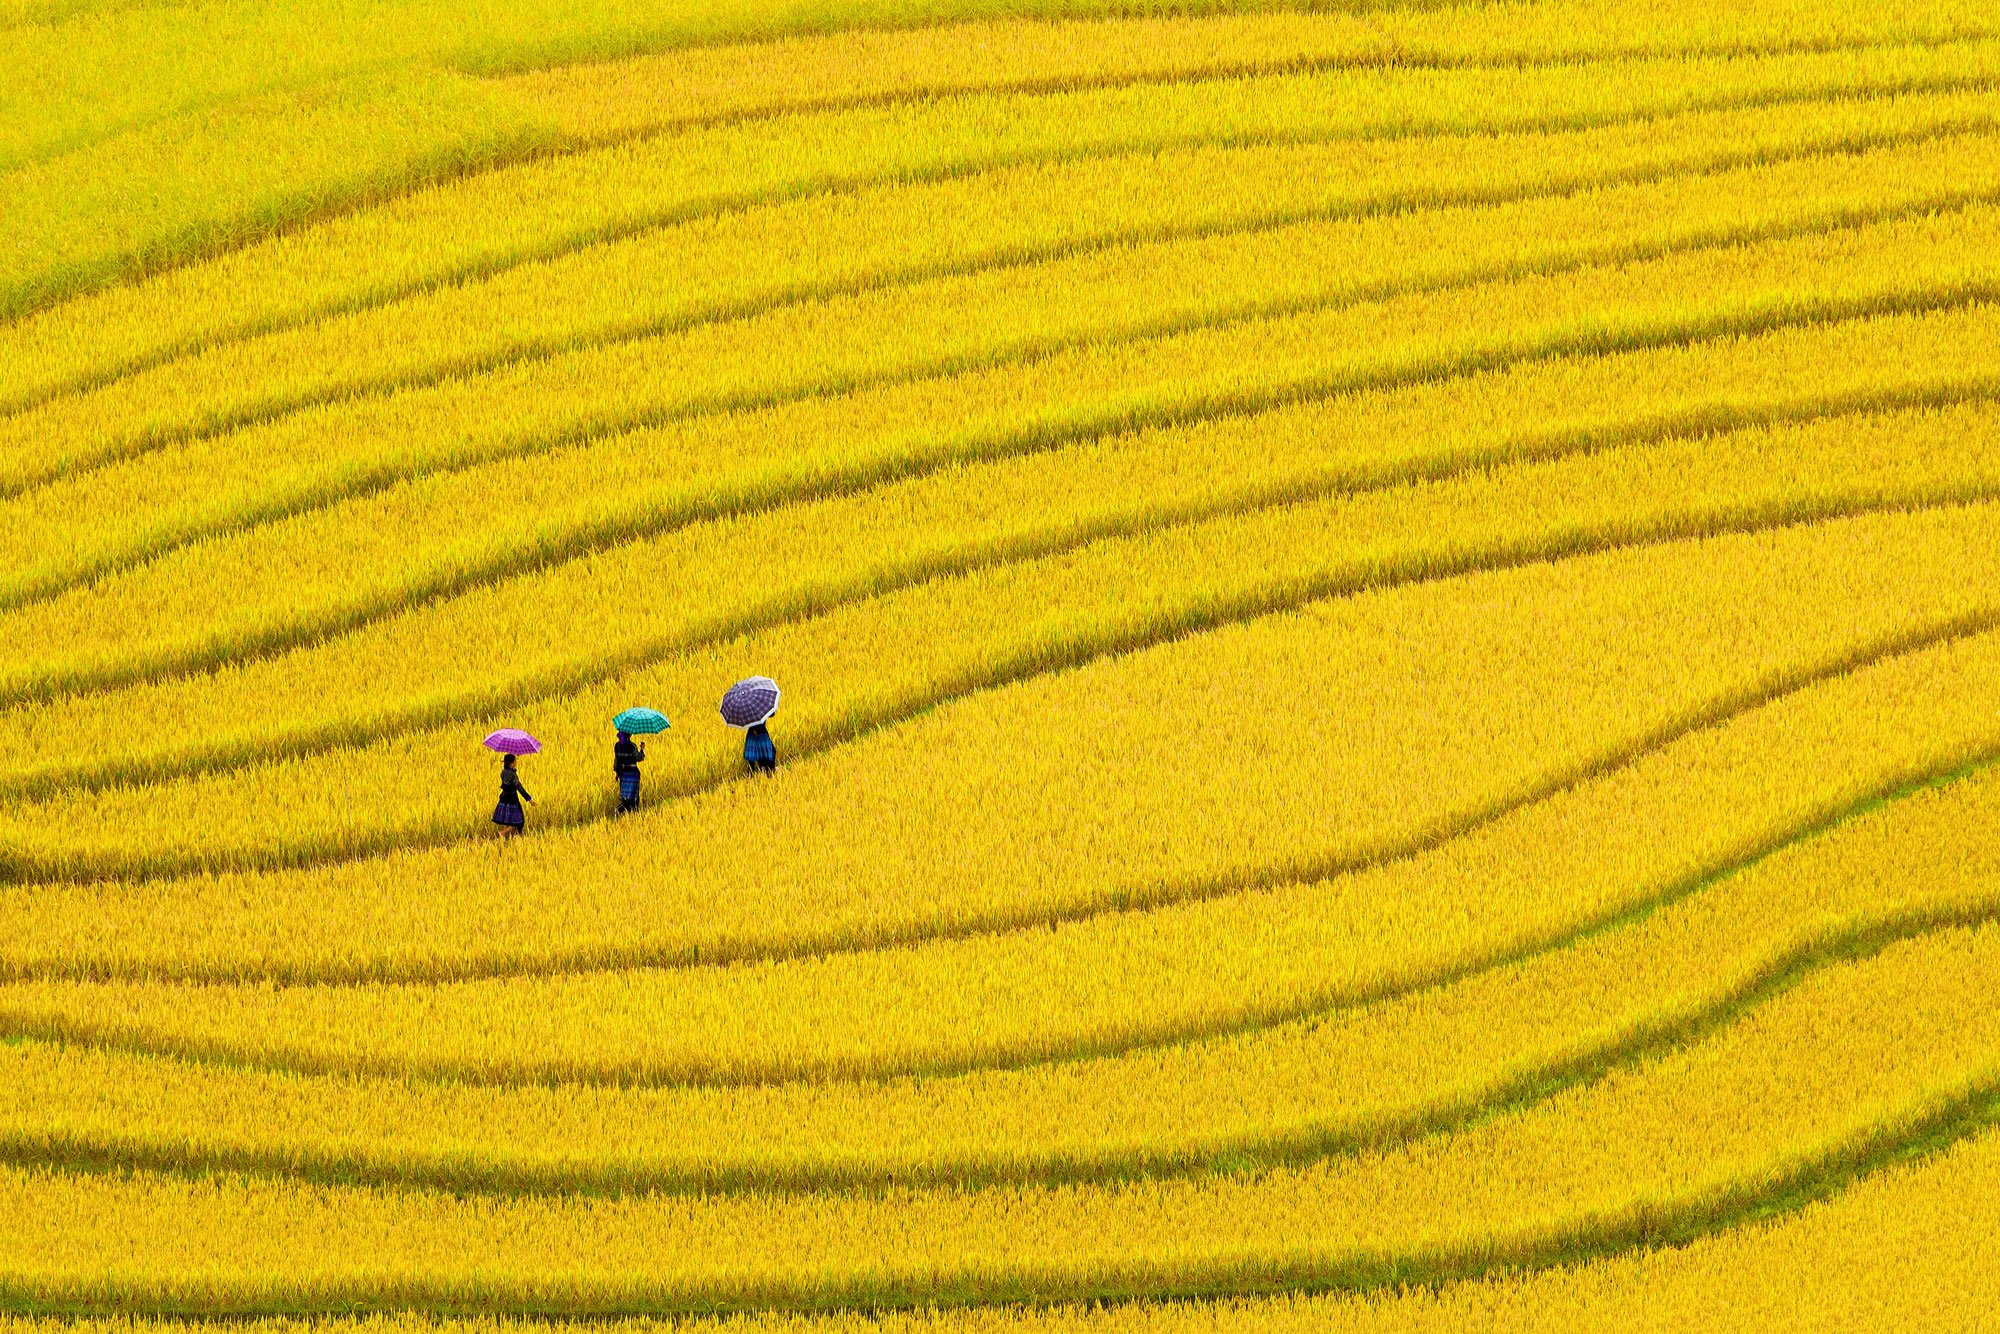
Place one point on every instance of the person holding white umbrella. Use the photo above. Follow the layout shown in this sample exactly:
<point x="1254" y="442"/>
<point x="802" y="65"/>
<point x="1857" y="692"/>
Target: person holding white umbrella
<point x="749" y="704"/>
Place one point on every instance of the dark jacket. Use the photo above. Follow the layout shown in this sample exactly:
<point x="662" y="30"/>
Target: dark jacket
<point x="511" y="790"/>
<point x="626" y="757"/>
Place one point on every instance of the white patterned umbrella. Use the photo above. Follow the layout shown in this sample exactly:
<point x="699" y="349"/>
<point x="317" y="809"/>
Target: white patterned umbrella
<point x="750" y="701"/>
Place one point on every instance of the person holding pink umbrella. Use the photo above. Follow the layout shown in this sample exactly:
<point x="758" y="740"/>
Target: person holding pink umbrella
<point x="511" y="742"/>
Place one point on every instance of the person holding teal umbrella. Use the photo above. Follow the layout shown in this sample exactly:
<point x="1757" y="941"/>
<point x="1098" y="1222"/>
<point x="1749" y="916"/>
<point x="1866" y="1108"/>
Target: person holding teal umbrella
<point x="628" y="755"/>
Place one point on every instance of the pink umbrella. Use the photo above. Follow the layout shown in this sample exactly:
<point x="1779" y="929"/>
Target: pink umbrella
<point x="512" y="741"/>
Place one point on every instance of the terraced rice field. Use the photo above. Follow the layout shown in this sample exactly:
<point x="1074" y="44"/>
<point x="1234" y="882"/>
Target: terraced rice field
<point x="1390" y="625"/>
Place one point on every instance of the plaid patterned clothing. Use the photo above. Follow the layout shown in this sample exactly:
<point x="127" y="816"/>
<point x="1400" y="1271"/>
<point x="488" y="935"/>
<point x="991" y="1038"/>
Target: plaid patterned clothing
<point x="628" y="785"/>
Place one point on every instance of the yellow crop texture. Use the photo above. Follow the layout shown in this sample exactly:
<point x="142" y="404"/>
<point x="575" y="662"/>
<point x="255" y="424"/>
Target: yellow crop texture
<point x="1891" y="1252"/>
<point x="645" y="93"/>
<point x="1388" y="625"/>
<point x="716" y="270"/>
<point x="1275" y="174"/>
<point x="1298" y="452"/>
<point x="1940" y="261"/>
<point x="1365" y="1074"/>
<point x="411" y="240"/>
<point x="1045" y="609"/>
<point x="1128" y="292"/>
<point x="828" y="879"/>
<point x="1842" y="1067"/>
<point x="659" y="1025"/>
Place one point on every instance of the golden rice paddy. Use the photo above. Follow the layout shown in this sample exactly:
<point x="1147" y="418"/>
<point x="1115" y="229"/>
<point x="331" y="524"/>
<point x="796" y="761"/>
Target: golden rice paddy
<point x="1388" y="618"/>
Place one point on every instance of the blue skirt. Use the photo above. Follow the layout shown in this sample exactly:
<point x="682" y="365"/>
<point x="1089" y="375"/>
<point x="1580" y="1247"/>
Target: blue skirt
<point x="628" y="785"/>
<point x="509" y="813"/>
<point x="759" y="752"/>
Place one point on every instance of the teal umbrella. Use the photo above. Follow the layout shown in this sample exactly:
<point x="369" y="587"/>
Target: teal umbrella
<point x="641" y="722"/>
